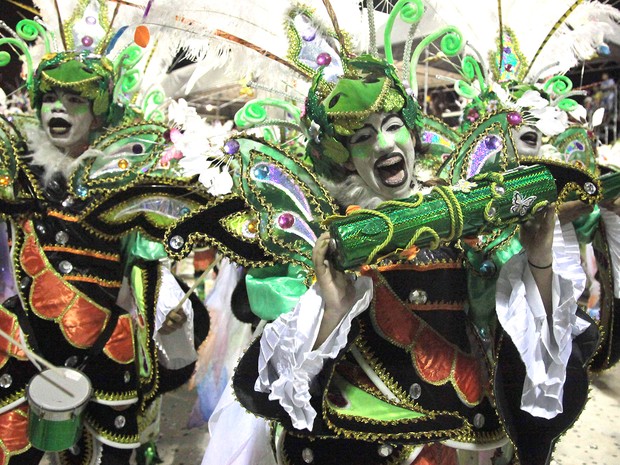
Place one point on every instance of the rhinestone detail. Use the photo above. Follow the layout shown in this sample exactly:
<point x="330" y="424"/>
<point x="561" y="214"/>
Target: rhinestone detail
<point x="418" y="296"/>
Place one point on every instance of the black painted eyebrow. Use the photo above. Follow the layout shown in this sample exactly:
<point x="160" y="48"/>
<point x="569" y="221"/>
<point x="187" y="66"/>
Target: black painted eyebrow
<point x="389" y="117"/>
<point x="367" y="125"/>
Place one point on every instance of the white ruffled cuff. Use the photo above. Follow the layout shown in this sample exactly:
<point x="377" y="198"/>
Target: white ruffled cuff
<point x="612" y="228"/>
<point x="176" y="349"/>
<point x="544" y="346"/>
<point x="287" y="364"/>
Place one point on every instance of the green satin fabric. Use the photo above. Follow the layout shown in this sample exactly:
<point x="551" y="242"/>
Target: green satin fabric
<point x="137" y="247"/>
<point x="275" y="290"/>
<point x="364" y="405"/>
<point x="482" y="289"/>
<point x="586" y="225"/>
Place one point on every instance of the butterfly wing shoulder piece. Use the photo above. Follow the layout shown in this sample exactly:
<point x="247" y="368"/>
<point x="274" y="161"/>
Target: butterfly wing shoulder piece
<point x="15" y="201"/>
<point x="132" y="184"/>
<point x="10" y="141"/>
<point x="486" y="147"/>
<point x="439" y="141"/>
<point x="284" y="207"/>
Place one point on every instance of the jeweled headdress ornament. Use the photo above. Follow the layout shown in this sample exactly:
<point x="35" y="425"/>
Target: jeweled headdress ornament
<point x="110" y="52"/>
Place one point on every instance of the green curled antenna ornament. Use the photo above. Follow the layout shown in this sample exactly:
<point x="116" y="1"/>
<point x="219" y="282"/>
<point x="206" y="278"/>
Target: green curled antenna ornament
<point x="26" y="30"/>
<point x="411" y="12"/>
<point x="254" y="114"/>
<point x="567" y="104"/>
<point x="470" y="69"/>
<point x="5" y="57"/>
<point x="129" y="58"/>
<point x="559" y="85"/>
<point x="130" y="77"/>
<point x="151" y="105"/>
<point x="127" y="84"/>
<point x="29" y="30"/>
<point x="451" y="44"/>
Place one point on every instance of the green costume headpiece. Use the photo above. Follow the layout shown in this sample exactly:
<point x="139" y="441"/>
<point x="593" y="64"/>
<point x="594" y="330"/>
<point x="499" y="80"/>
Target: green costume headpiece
<point x="90" y="76"/>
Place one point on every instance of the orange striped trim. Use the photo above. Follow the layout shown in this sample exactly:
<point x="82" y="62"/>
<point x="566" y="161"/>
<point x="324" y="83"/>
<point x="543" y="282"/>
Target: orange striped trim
<point x="452" y="307"/>
<point x="62" y="216"/>
<point x="90" y="279"/>
<point x="87" y="253"/>
<point x="430" y="266"/>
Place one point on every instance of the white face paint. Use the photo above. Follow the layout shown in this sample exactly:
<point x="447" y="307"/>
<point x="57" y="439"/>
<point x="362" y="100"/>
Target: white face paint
<point x="528" y="140"/>
<point x="383" y="154"/>
<point x="67" y="119"/>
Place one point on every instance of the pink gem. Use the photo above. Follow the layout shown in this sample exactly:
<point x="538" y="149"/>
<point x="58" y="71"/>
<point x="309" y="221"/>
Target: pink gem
<point x="91" y="20"/>
<point x="473" y="115"/>
<point x="514" y="118"/>
<point x="286" y="220"/>
<point x="323" y="59"/>
<point x="87" y="41"/>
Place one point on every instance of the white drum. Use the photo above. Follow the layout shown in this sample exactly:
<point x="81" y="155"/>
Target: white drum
<point x="57" y="400"/>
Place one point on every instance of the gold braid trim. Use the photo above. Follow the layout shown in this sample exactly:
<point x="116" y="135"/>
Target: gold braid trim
<point x="86" y="252"/>
<point x="93" y="280"/>
<point x="149" y="343"/>
<point x="13" y="397"/>
<point x="371" y="436"/>
<point x="127" y="395"/>
<point x="114" y="437"/>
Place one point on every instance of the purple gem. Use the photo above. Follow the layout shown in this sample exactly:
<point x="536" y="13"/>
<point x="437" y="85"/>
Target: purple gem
<point x="493" y="142"/>
<point x="261" y="172"/>
<point x="147" y="9"/>
<point x="579" y="145"/>
<point x="514" y="118"/>
<point x="91" y="20"/>
<point x="286" y="220"/>
<point x="87" y="41"/>
<point x="231" y="147"/>
<point x="309" y="36"/>
<point x="323" y="59"/>
<point x="507" y="50"/>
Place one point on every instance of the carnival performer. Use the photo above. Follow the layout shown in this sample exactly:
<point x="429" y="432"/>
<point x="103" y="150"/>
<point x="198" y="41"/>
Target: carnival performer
<point x="90" y="185"/>
<point x="368" y="370"/>
<point x="385" y="365"/>
<point x="84" y="300"/>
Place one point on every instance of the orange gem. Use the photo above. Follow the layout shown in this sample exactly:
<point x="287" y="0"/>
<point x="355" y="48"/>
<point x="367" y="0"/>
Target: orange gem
<point x="410" y="253"/>
<point x="123" y="164"/>
<point x="253" y="227"/>
<point x="5" y="180"/>
<point x="352" y="208"/>
<point x="142" y="36"/>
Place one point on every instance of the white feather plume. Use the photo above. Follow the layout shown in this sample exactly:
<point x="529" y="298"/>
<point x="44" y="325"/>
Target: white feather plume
<point x="588" y="26"/>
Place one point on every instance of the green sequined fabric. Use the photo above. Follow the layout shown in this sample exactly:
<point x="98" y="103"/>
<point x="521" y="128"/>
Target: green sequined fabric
<point x="444" y="215"/>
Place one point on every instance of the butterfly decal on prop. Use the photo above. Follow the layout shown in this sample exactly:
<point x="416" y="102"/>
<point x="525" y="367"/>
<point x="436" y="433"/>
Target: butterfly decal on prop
<point x="521" y="205"/>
